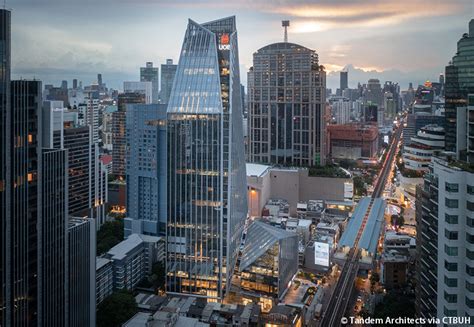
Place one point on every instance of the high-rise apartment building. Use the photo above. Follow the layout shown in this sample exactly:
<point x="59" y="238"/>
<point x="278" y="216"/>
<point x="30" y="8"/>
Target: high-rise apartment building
<point x="207" y="201"/>
<point x="459" y="83"/>
<point x="118" y="130"/>
<point x="168" y="71"/>
<point x="373" y="92"/>
<point x="146" y="169"/>
<point x="445" y="244"/>
<point x="150" y="74"/>
<point x="286" y="104"/>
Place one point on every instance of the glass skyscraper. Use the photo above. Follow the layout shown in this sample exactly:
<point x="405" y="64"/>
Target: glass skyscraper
<point x="207" y="201"/>
<point x="459" y="83"/>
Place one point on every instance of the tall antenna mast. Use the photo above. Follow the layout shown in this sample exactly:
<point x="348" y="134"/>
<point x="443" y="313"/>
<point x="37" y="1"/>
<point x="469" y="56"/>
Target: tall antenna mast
<point x="285" y="24"/>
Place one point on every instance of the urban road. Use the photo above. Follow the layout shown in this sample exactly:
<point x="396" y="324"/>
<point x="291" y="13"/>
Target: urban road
<point x="341" y="295"/>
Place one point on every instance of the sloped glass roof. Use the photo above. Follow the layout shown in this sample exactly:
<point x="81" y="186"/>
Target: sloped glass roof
<point x="260" y="238"/>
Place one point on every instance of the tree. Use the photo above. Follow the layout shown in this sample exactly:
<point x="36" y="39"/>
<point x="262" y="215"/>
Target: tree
<point x="116" y="309"/>
<point x="109" y="235"/>
<point x="375" y="277"/>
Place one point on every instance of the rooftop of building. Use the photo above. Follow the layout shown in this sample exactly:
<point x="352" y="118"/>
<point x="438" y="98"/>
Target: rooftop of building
<point x="257" y="170"/>
<point x="121" y="250"/>
<point x="101" y="262"/>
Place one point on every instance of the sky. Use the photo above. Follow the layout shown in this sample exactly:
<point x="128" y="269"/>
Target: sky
<point x="398" y="40"/>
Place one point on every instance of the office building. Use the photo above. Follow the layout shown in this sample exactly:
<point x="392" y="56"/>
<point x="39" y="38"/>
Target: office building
<point x="373" y="92"/>
<point x="168" y="71"/>
<point x="145" y="88"/>
<point x="343" y="81"/>
<point x="353" y="141"/>
<point x="146" y="169"/>
<point x="286" y="94"/>
<point x="416" y="121"/>
<point x="459" y="83"/>
<point x="5" y="171"/>
<point x="445" y="239"/>
<point x="417" y="155"/>
<point x="87" y="175"/>
<point x="150" y="74"/>
<point x="207" y="203"/>
<point x="82" y="269"/>
<point x="118" y="130"/>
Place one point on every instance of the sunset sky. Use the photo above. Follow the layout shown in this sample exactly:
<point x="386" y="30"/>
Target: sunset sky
<point x="403" y="40"/>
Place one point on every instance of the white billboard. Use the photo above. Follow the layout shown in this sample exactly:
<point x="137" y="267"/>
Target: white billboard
<point x="321" y="254"/>
<point x="348" y="191"/>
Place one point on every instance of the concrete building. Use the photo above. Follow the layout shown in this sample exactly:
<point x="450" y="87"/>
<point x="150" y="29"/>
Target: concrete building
<point x="133" y="259"/>
<point x="373" y="92"/>
<point x="118" y="130"/>
<point x="286" y="94"/>
<point x="87" y="176"/>
<point x="445" y="239"/>
<point x="343" y="80"/>
<point x="150" y="74"/>
<point x="341" y="110"/>
<point x="168" y="71"/>
<point x="417" y="154"/>
<point x="416" y="121"/>
<point x="294" y="185"/>
<point x="394" y="268"/>
<point x="146" y="169"/>
<point x="104" y="279"/>
<point x="82" y="272"/>
<point x="207" y="206"/>
<point x="353" y="141"/>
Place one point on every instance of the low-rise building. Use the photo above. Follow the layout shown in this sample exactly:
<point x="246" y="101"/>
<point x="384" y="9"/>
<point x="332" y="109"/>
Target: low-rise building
<point x="133" y="258"/>
<point x="268" y="263"/>
<point x="104" y="284"/>
<point x="394" y="267"/>
<point x="353" y="141"/>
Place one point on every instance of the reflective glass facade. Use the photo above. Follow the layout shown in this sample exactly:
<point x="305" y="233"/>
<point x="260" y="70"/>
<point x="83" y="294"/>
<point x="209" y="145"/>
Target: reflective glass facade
<point x="459" y="83"/>
<point x="207" y="203"/>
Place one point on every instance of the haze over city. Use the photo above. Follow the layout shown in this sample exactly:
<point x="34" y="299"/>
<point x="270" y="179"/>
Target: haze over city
<point x="390" y="40"/>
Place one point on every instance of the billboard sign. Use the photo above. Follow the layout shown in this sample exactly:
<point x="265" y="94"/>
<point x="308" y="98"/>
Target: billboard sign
<point x="321" y="254"/>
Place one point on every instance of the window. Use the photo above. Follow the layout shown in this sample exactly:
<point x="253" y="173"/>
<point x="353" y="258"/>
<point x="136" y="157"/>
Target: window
<point x="451" y="235"/>
<point x="451" y="219"/>
<point x="451" y="250"/>
<point x="469" y="286"/>
<point x="451" y="203"/>
<point x="470" y="238"/>
<point x="470" y="270"/>
<point x="470" y="189"/>
<point x="453" y="188"/>
<point x="450" y="313"/>
<point x="451" y="282"/>
<point x="470" y="254"/>
<point x="450" y="266"/>
<point x="450" y="298"/>
<point x="470" y="205"/>
<point x="470" y="222"/>
<point x="469" y="303"/>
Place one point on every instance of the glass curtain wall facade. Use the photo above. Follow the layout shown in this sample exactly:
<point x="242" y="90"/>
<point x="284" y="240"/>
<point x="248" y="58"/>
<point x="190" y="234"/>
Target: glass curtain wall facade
<point x="207" y="203"/>
<point x="5" y="169"/>
<point x="286" y="92"/>
<point x="459" y="83"/>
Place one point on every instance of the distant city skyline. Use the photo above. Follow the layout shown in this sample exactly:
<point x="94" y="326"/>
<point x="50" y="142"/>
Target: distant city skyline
<point x="54" y="40"/>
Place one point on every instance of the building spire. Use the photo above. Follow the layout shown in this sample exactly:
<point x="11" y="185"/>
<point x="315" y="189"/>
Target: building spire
<point x="285" y="24"/>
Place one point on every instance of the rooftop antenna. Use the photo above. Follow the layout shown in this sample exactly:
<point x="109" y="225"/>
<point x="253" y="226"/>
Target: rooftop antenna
<point x="285" y="24"/>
